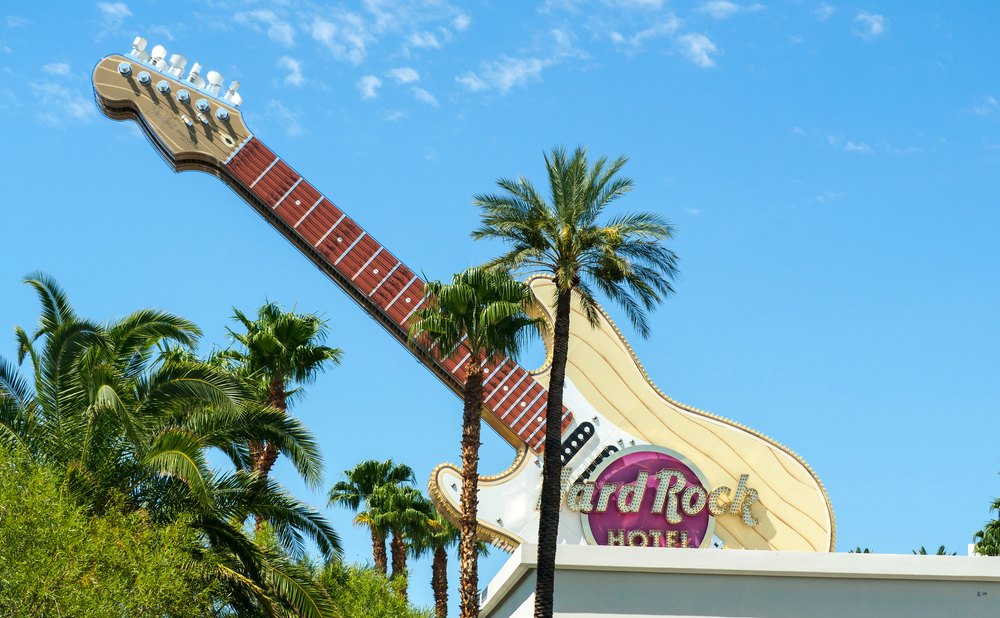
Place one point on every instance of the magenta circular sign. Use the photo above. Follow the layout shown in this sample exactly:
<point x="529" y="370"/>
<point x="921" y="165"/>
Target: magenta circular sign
<point x="647" y="496"/>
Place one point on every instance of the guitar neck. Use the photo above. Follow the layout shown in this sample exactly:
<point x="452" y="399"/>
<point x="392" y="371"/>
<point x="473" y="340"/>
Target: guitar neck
<point x="379" y="282"/>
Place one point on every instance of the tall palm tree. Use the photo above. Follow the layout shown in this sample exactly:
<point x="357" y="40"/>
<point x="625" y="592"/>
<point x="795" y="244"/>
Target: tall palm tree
<point x="483" y="311"/>
<point x="280" y="348"/>
<point x="356" y="490"/>
<point x="988" y="539"/>
<point x="128" y="426"/>
<point x="403" y="512"/>
<point x="623" y="257"/>
<point x="436" y="538"/>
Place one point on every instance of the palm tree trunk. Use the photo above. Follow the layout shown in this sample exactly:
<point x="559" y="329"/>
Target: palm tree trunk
<point x="439" y="582"/>
<point x="398" y="549"/>
<point x="263" y="454"/>
<point x="378" y="551"/>
<point x="468" y="553"/>
<point x="548" y="518"/>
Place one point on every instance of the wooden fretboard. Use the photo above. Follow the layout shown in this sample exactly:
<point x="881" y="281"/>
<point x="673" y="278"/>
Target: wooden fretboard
<point x="378" y="281"/>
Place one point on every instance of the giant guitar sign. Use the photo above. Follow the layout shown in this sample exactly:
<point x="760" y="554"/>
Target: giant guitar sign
<point x="639" y="467"/>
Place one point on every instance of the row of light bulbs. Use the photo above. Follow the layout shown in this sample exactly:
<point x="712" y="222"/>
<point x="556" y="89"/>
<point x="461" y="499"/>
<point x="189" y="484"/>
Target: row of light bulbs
<point x="175" y="65"/>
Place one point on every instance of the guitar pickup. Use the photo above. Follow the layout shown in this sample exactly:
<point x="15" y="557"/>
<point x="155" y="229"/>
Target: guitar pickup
<point x="572" y="445"/>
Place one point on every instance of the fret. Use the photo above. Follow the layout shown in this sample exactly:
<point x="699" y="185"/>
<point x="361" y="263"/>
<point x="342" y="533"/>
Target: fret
<point x="412" y="311"/>
<point x="386" y="278"/>
<point x="461" y="363"/>
<point x="287" y="193"/>
<point x="268" y="169"/>
<point x="505" y="378"/>
<point x="356" y="240"/>
<point x="541" y="425"/>
<point x="309" y="212"/>
<point x="527" y="407"/>
<point x="249" y="164"/>
<point x="369" y="276"/>
<point x="329" y="230"/>
<point x="370" y="260"/>
<point x="510" y="392"/>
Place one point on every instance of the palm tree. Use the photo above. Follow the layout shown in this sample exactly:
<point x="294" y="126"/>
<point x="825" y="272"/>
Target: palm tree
<point x="361" y="482"/>
<point x="437" y="537"/>
<point x="280" y="348"/>
<point x="129" y="427"/>
<point x="484" y="312"/>
<point x="624" y="258"/>
<point x="988" y="539"/>
<point x="940" y="551"/>
<point x="402" y="511"/>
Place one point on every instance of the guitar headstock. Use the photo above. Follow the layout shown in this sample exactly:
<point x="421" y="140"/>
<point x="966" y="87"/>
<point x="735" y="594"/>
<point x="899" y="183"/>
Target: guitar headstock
<point x="193" y="122"/>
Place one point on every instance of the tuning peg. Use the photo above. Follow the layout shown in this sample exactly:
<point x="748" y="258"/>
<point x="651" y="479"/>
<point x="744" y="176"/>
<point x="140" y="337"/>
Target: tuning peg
<point x="232" y="96"/>
<point x="139" y="49"/>
<point x="214" y="79"/>
<point x="157" y="57"/>
<point x="177" y="64"/>
<point x="194" y="77"/>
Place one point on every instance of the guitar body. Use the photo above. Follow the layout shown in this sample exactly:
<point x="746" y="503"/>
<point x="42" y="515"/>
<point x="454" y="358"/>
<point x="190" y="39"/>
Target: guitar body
<point x="611" y="408"/>
<point x="607" y="383"/>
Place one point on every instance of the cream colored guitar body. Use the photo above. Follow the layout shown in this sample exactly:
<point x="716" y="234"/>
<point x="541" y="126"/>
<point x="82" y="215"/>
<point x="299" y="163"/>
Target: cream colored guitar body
<point x="608" y="387"/>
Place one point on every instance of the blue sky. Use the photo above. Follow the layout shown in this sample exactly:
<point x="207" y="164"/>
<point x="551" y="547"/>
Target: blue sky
<point x="832" y="169"/>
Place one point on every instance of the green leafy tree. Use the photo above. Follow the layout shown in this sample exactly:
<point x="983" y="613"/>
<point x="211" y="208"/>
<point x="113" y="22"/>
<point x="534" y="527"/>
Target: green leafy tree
<point x="401" y="511"/>
<point x="280" y="348"/>
<point x="940" y="551"/>
<point x="122" y="423"/>
<point x="623" y="257"/>
<point x="858" y="550"/>
<point x="359" y="591"/>
<point x="436" y="538"/>
<point x="355" y="492"/>
<point x="482" y="311"/>
<point x="988" y="539"/>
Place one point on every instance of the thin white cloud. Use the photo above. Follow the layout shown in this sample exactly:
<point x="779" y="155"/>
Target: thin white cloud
<point x="403" y="75"/>
<point x="15" y="21"/>
<point x="829" y="196"/>
<point x="425" y="97"/>
<point x="504" y="74"/>
<point x="112" y="16"/>
<point x="368" y="85"/>
<point x="287" y="117"/>
<point x="860" y="147"/>
<point x="461" y="22"/>
<point x="294" y="68"/>
<point x="57" y="68"/>
<point x="162" y="31"/>
<point x="667" y="27"/>
<point x="797" y="130"/>
<point x="277" y="29"/>
<point x="825" y="11"/>
<point x="872" y="25"/>
<point x="694" y="212"/>
<point x="985" y="106"/>
<point x="62" y="105"/>
<point x="395" y="115"/>
<point x="722" y="9"/>
<point x="646" y="5"/>
<point x="699" y="49"/>
<point x="345" y="35"/>
<point x="424" y="40"/>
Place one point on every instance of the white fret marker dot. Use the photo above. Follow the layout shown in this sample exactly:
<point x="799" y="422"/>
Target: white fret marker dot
<point x="407" y="299"/>
<point x="298" y="202"/>
<point x="375" y="271"/>
<point x="524" y="404"/>
<point x="340" y="239"/>
<point x="539" y="419"/>
<point x="506" y="388"/>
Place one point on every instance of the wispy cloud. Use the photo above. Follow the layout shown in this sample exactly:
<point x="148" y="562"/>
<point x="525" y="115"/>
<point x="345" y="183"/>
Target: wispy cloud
<point x="509" y="72"/>
<point x="699" y="49"/>
<point x="403" y="75"/>
<point x="287" y="117"/>
<point x="694" y="212"/>
<point x="461" y="21"/>
<point x="113" y="14"/>
<point x="872" y="25"/>
<point x="425" y="97"/>
<point x="15" y="21"/>
<point x="294" y="68"/>
<point x="368" y="85"/>
<point x="424" y="39"/>
<point x="277" y="29"/>
<point x="395" y="115"/>
<point x="825" y="11"/>
<point x="985" y="106"/>
<point x="647" y="5"/>
<point x="57" y="68"/>
<point x="61" y="104"/>
<point x="666" y="27"/>
<point x="344" y="34"/>
<point x="722" y="9"/>
<point x="849" y="145"/>
<point x="829" y="196"/>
